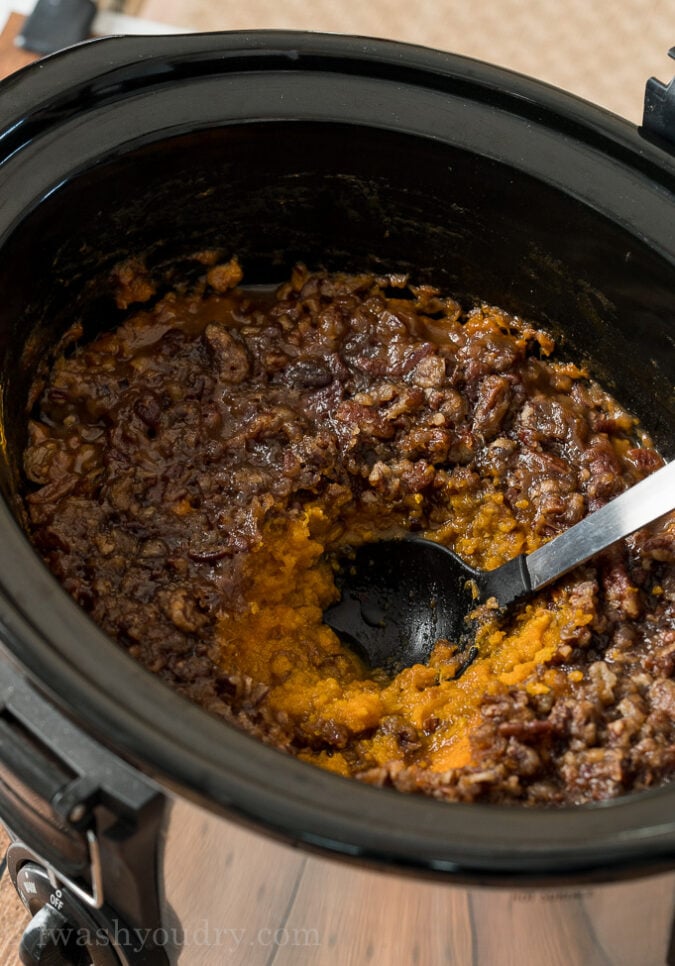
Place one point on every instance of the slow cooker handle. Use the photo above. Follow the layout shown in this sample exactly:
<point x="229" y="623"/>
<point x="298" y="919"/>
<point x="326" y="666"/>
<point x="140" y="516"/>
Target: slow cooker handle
<point x="85" y="823"/>
<point x="658" y="119"/>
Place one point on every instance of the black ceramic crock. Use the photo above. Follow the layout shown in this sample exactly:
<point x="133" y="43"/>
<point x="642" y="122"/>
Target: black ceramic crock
<point x="345" y="153"/>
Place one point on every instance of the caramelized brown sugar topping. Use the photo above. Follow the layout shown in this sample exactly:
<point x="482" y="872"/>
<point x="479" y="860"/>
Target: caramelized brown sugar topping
<point x="196" y="471"/>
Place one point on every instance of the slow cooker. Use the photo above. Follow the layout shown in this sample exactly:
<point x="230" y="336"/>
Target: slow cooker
<point x="144" y="831"/>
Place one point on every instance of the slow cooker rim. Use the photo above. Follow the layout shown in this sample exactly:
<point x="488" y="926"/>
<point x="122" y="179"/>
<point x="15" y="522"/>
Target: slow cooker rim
<point x="620" y="826"/>
<point x="32" y="93"/>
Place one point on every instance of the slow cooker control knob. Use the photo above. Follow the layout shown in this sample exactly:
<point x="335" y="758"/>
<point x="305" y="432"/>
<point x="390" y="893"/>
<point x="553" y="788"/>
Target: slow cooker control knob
<point x="38" y="944"/>
<point x="62" y="932"/>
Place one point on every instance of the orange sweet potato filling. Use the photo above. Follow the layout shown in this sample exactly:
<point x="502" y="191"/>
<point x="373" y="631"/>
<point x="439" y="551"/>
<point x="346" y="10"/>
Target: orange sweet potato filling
<point x="281" y="641"/>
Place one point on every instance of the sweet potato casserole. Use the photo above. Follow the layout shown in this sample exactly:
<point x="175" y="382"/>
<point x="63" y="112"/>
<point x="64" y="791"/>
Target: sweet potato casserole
<point x="194" y="473"/>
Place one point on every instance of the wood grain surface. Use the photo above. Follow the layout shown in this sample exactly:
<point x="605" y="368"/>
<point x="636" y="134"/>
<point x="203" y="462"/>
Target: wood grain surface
<point x="13" y="916"/>
<point x="11" y="56"/>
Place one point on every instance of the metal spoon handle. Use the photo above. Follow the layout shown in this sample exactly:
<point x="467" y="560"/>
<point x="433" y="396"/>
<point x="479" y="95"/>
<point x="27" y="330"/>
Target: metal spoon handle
<point x="641" y="504"/>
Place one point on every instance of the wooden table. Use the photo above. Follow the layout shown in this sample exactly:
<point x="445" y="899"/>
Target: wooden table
<point x="13" y="917"/>
<point x="11" y="56"/>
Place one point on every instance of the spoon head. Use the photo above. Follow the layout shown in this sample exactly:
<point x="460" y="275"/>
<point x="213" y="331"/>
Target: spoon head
<point x="399" y="597"/>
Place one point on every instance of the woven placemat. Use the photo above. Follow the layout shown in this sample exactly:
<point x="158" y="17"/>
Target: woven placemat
<point x="603" y="52"/>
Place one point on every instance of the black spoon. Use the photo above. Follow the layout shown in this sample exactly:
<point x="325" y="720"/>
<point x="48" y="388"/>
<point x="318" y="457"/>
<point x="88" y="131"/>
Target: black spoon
<point x="399" y="597"/>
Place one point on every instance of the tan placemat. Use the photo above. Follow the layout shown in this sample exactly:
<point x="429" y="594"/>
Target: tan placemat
<point x="603" y="51"/>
